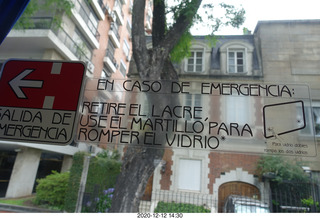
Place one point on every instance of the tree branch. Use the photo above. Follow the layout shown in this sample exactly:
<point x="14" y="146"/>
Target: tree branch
<point x="158" y="22"/>
<point x="163" y="42"/>
<point x="183" y="22"/>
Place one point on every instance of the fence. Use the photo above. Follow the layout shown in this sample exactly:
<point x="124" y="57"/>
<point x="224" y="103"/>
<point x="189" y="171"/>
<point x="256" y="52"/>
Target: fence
<point x="287" y="197"/>
<point x="178" y="202"/>
<point x="278" y="200"/>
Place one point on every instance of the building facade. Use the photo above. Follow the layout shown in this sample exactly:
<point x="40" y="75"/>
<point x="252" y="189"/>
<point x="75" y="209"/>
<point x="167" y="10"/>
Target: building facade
<point x="278" y="52"/>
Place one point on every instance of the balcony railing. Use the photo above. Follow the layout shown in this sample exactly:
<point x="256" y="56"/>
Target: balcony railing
<point x="115" y="30"/>
<point x="92" y="27"/>
<point x="110" y="55"/>
<point x="117" y="9"/>
<point x="47" y="23"/>
<point x="104" y="7"/>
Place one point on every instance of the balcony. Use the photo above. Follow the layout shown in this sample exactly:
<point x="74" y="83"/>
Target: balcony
<point x="87" y="26"/>
<point x="114" y="35"/>
<point x="117" y="9"/>
<point x="110" y="61"/>
<point x="100" y="8"/>
<point x="42" y="36"/>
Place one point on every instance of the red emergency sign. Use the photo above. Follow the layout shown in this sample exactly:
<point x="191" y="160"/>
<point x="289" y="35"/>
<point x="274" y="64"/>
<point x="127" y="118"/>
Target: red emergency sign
<point x="41" y="84"/>
<point x="39" y="100"/>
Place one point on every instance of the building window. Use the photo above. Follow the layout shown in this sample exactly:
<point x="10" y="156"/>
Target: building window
<point x="194" y="100"/>
<point x="316" y="117"/>
<point x="238" y="110"/>
<point x="123" y="68"/>
<point x="195" y="62"/>
<point x="310" y="115"/>
<point x="126" y="48"/>
<point x="189" y="175"/>
<point x="129" y="27"/>
<point x="236" y="61"/>
<point x="235" y="57"/>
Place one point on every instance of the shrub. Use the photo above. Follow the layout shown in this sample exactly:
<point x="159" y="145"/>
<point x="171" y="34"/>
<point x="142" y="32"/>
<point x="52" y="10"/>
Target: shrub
<point x="102" y="175"/>
<point x="51" y="190"/>
<point x="74" y="181"/>
<point x="104" y="202"/>
<point x="103" y="171"/>
<point x="309" y="202"/>
<point x="165" y="207"/>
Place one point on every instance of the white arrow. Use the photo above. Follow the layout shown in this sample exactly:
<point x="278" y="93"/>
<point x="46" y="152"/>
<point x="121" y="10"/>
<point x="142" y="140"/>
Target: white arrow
<point x="18" y="82"/>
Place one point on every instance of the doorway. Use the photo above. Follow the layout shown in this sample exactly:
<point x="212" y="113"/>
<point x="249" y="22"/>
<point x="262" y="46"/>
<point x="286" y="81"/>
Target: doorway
<point x="236" y="188"/>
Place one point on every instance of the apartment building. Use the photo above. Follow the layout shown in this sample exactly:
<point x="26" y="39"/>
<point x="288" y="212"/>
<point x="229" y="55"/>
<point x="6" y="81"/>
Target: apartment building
<point x="98" y="33"/>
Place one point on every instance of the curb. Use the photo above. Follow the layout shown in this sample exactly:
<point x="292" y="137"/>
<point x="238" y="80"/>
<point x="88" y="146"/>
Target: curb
<point x="24" y="209"/>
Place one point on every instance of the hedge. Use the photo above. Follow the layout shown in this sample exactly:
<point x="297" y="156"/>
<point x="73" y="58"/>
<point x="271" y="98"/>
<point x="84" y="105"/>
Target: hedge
<point x="74" y="182"/>
<point x="103" y="170"/>
<point x="165" y="207"/>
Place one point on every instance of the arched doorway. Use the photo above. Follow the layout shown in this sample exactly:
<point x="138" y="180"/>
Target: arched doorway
<point x="236" y="188"/>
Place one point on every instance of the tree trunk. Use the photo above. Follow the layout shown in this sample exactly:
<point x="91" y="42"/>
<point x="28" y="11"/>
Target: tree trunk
<point x="138" y="165"/>
<point x="139" y="162"/>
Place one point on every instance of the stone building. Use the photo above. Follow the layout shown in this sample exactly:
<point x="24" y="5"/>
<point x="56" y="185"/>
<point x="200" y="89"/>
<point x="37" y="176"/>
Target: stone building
<point x="277" y="53"/>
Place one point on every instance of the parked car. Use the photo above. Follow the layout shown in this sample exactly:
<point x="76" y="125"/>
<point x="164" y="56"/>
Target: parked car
<point x="243" y="204"/>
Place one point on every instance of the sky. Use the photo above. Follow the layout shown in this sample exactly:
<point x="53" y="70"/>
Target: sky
<point x="257" y="10"/>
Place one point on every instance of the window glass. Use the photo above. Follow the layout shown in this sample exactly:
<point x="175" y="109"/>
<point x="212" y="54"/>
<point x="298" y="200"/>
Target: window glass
<point x="194" y="62"/>
<point x="123" y="68"/>
<point x="316" y="118"/>
<point x="193" y="100"/>
<point x="189" y="175"/>
<point x="236" y="62"/>
<point x="237" y="110"/>
<point x="126" y="47"/>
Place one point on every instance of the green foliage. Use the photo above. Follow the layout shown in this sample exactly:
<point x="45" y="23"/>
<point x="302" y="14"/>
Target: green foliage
<point x="24" y="22"/>
<point x="164" y="207"/>
<point x="182" y="49"/>
<point x="51" y="190"/>
<point x="74" y="182"/>
<point x="54" y="8"/>
<point x="308" y="202"/>
<point x="233" y="17"/>
<point x="103" y="171"/>
<point x="102" y="175"/>
<point x="113" y="155"/>
<point x="282" y="169"/>
<point x="105" y="200"/>
<point x="18" y="201"/>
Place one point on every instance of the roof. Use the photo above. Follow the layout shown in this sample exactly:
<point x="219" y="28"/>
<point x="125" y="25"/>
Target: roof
<point x="222" y="39"/>
<point x="302" y="21"/>
<point x="215" y="53"/>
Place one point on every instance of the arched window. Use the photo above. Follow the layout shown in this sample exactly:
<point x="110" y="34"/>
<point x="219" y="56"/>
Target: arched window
<point x="198" y="62"/>
<point x="236" y="58"/>
<point x="195" y="63"/>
